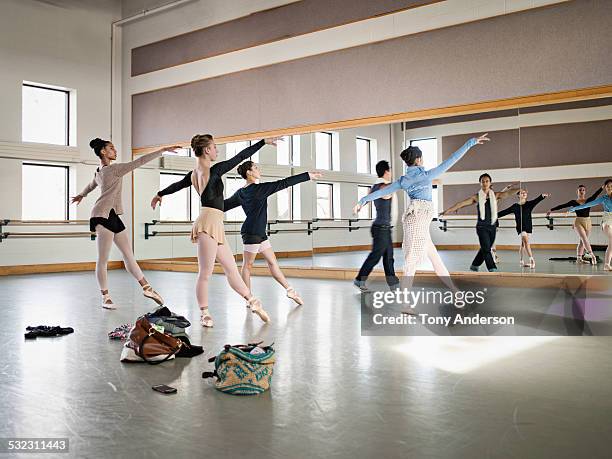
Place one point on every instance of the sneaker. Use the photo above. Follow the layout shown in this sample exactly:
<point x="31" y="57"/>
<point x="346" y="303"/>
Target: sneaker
<point x="148" y="291"/>
<point x="361" y="285"/>
<point x="474" y="268"/>
<point x="493" y="270"/>
<point x="256" y="308"/>
<point x="292" y="294"/>
<point x="205" y="319"/>
<point x="107" y="302"/>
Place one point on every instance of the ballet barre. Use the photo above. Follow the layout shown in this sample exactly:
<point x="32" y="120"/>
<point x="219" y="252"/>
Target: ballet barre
<point x="550" y="222"/>
<point x="41" y="235"/>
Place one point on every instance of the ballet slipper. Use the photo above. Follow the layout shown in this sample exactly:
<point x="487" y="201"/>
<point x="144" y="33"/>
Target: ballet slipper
<point x="107" y="302"/>
<point x="205" y="319"/>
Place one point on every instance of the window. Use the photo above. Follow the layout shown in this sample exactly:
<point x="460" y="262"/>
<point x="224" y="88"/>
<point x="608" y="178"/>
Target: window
<point x="288" y="151"/>
<point x="429" y="147"/>
<point x="284" y="202"/>
<point x="366" y="211"/>
<point x="184" y="152"/>
<point x="233" y="148"/>
<point x="233" y="184"/>
<point x="324" y="150"/>
<point x="364" y="156"/>
<point x="44" y="192"/>
<point x="44" y="115"/>
<point x="296" y="203"/>
<point x="325" y="200"/>
<point x="196" y="203"/>
<point x="176" y="206"/>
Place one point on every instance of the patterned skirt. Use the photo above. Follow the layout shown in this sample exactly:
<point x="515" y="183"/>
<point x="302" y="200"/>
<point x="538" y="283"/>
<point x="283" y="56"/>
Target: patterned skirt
<point x="416" y="220"/>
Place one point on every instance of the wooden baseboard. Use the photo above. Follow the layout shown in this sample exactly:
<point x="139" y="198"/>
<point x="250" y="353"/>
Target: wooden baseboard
<point x="55" y="268"/>
<point x="506" y="246"/>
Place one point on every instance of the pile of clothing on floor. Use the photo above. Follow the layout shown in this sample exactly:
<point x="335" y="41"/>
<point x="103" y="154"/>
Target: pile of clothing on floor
<point x="47" y="331"/>
<point x="156" y="337"/>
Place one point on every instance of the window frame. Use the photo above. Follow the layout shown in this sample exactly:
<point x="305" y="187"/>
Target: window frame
<point x="48" y="88"/>
<point x="290" y="191"/>
<point x="330" y="150"/>
<point x="67" y="183"/>
<point x="369" y="153"/>
<point x="331" y="200"/>
<point x="189" y="215"/>
<point x="369" y="204"/>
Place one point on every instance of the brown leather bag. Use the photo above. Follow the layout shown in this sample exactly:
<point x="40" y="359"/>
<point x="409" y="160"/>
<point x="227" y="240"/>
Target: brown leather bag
<point x="147" y="342"/>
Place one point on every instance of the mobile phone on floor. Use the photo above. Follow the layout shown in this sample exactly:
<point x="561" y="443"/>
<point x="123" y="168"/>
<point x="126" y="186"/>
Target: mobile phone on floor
<point x="164" y="389"/>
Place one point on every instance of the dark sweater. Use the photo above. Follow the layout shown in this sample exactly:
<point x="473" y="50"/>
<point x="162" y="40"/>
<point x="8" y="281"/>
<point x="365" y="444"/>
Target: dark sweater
<point x="212" y="196"/>
<point x="254" y="200"/>
<point x="383" y="207"/>
<point x="573" y="203"/>
<point x="522" y="214"/>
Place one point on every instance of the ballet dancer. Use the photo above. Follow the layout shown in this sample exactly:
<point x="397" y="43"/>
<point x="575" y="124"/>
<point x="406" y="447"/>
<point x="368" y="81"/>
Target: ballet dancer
<point x="253" y="198"/>
<point x="582" y="223"/>
<point x="606" y="220"/>
<point x="524" y="227"/>
<point x="417" y="182"/>
<point x="486" y="226"/>
<point x="207" y="231"/>
<point x="382" y="242"/>
<point x="105" y="221"/>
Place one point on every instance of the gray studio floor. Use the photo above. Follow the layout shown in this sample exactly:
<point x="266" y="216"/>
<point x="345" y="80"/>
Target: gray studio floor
<point x="334" y="393"/>
<point x="456" y="260"/>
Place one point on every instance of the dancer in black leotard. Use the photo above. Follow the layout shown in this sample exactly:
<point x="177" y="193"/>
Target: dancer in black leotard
<point x="582" y="224"/>
<point x="524" y="227"/>
<point x="207" y="230"/>
<point x="253" y="198"/>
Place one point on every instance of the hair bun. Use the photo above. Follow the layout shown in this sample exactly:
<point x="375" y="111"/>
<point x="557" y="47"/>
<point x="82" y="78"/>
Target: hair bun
<point x="95" y="142"/>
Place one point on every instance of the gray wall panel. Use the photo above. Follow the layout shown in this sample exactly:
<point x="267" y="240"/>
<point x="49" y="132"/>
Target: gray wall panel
<point x="521" y="54"/>
<point x="502" y="152"/>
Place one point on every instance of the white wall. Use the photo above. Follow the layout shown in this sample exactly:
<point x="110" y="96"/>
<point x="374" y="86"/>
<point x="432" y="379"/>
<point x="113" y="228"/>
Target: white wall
<point x="67" y="47"/>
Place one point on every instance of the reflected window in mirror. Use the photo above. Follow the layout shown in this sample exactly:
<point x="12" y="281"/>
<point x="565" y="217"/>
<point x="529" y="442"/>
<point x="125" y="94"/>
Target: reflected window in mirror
<point x="326" y="151"/>
<point x="233" y="184"/>
<point x="285" y="203"/>
<point x="196" y="203"/>
<point x="176" y="206"/>
<point x="364" y="155"/>
<point x="325" y="200"/>
<point x="366" y="211"/>
<point x="296" y="203"/>
<point x="429" y="148"/>
<point x="288" y="151"/>
<point x="187" y="152"/>
<point x="233" y="148"/>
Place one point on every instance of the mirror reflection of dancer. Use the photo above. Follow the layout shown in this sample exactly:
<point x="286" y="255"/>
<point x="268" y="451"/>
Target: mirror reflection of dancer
<point x="382" y="241"/>
<point x="105" y="221"/>
<point x="524" y="226"/>
<point x="486" y="226"/>
<point x="417" y="182"/>
<point x="606" y="220"/>
<point x="207" y="230"/>
<point x="253" y="198"/>
<point x="582" y="223"/>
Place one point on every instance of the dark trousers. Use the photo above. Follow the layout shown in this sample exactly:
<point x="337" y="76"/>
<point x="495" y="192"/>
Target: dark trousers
<point x="486" y="236"/>
<point x="382" y="246"/>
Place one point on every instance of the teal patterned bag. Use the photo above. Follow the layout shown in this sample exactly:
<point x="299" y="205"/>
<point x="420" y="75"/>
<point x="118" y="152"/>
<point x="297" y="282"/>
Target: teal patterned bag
<point x="240" y="372"/>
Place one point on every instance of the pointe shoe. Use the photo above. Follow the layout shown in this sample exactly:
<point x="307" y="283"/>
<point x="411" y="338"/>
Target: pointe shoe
<point x="593" y="259"/>
<point x="256" y="308"/>
<point x="607" y="267"/>
<point x="205" y="319"/>
<point x="531" y="263"/>
<point x="292" y="294"/>
<point x="495" y="256"/>
<point x="148" y="291"/>
<point x="107" y="302"/>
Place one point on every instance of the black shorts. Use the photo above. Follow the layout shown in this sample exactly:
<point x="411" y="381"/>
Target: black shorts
<point x="112" y="223"/>
<point x="253" y="238"/>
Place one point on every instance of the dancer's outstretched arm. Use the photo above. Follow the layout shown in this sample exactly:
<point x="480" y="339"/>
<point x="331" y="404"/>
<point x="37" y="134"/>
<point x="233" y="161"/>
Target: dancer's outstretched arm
<point x="561" y="206"/>
<point x="266" y="189"/>
<point x="594" y="195"/>
<point x="88" y="189"/>
<point x="508" y="190"/>
<point x="223" y="167"/>
<point x="121" y="169"/>
<point x="449" y="162"/>
<point x="461" y="204"/>
<point x="386" y="191"/>
<point x="586" y="205"/>
<point x="232" y="202"/>
<point x="534" y="202"/>
<point x="172" y="188"/>
<point x="508" y="211"/>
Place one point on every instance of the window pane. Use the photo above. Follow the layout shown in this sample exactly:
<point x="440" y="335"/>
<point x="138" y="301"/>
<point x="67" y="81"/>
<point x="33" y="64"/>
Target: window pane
<point x="182" y="152"/>
<point x="195" y="203"/>
<point x="231" y="186"/>
<point x="174" y="206"/>
<point x="324" y="200"/>
<point x="284" y="204"/>
<point x="44" y="192"/>
<point x="282" y="151"/>
<point x="363" y="156"/>
<point x="323" y="150"/>
<point x="296" y="199"/>
<point x="366" y="211"/>
<point x="429" y="147"/>
<point x="295" y="150"/>
<point x="44" y="117"/>
<point x="233" y="148"/>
